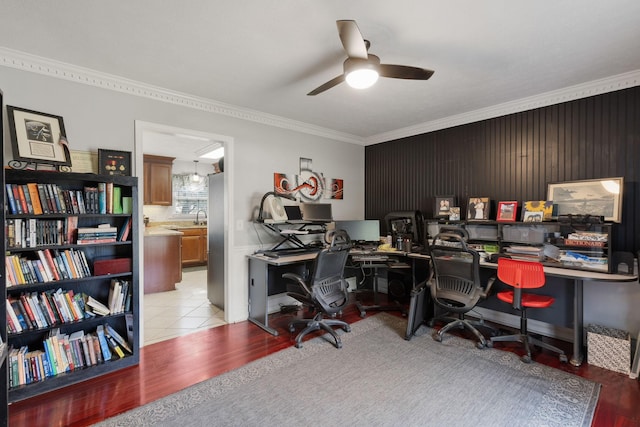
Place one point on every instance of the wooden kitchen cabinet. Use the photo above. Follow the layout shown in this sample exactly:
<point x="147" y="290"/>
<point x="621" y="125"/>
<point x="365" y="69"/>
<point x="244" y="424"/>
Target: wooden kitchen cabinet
<point x="194" y="246"/>
<point x="157" y="180"/>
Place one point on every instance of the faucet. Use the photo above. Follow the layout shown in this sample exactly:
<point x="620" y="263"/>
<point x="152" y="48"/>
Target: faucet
<point x="197" y="221"/>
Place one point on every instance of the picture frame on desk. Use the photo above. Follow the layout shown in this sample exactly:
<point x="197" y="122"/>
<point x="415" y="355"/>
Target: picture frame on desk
<point x="38" y="137"/>
<point x="595" y="197"/>
<point x="478" y="208"/>
<point x="537" y="210"/>
<point x="113" y="162"/>
<point x="507" y="211"/>
<point x="443" y="206"/>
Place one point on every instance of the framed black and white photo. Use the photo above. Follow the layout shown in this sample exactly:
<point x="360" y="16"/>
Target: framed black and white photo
<point x="595" y="197"/>
<point x="38" y="137"/>
<point x="443" y="205"/>
<point x="112" y="162"/>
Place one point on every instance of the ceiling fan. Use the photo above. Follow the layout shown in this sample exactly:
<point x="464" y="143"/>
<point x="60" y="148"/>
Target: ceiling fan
<point x="361" y="69"/>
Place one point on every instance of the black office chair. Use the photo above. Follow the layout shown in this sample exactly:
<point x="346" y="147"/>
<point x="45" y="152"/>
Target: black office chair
<point x="325" y="291"/>
<point x="456" y="286"/>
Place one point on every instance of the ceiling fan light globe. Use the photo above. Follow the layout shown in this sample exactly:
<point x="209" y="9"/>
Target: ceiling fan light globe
<point x="362" y="78"/>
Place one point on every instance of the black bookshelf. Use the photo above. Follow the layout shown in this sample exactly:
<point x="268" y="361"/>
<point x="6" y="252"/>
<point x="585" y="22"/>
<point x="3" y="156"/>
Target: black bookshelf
<point x="95" y="284"/>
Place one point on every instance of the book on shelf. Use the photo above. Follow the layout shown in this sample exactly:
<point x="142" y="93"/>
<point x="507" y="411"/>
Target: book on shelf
<point x="114" y="346"/>
<point x="102" y="198"/>
<point x="35" y="198"/>
<point x="125" y="230"/>
<point x="24" y="192"/>
<point x="46" y="206"/>
<point x="10" y="199"/>
<point x="108" y="197"/>
<point x="119" y="339"/>
<point x="104" y="347"/>
<point x="96" y="306"/>
<point x="117" y="200"/>
<point x="21" y="198"/>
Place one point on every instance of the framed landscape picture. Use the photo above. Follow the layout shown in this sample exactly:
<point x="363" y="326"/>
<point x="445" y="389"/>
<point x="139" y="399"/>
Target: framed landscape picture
<point x="507" y="211"/>
<point x="595" y="197"/>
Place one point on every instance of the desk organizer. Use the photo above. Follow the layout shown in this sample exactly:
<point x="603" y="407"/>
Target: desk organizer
<point x="609" y="348"/>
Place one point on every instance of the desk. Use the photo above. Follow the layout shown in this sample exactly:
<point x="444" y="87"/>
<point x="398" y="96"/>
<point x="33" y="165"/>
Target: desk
<point x="578" y="277"/>
<point x="265" y="278"/>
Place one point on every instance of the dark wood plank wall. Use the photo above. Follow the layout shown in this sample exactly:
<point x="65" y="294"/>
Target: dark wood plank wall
<point x="514" y="157"/>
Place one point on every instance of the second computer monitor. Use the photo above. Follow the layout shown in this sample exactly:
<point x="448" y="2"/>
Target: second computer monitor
<point x="361" y="231"/>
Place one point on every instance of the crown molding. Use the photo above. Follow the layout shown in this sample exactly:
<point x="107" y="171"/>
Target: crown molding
<point x="36" y="64"/>
<point x="584" y="90"/>
<point x="61" y="70"/>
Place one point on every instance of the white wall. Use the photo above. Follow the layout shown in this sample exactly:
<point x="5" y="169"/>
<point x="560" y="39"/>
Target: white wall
<point x="101" y="118"/>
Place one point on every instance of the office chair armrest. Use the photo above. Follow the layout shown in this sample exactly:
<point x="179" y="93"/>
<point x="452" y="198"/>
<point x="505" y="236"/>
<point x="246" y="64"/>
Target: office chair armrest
<point x="296" y="278"/>
<point x="487" y="289"/>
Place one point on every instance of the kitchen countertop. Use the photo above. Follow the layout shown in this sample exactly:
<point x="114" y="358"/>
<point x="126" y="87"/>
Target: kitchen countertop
<point x="160" y="231"/>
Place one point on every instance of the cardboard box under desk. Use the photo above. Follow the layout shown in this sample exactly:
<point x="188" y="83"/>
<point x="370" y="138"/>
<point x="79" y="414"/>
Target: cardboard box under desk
<point x="609" y="348"/>
<point x="111" y="266"/>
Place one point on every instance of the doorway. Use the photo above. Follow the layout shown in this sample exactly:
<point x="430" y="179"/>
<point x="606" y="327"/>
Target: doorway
<point x="187" y="145"/>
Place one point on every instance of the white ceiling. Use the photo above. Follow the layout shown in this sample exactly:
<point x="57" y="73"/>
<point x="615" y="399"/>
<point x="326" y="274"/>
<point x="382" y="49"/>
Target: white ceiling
<point x="266" y="55"/>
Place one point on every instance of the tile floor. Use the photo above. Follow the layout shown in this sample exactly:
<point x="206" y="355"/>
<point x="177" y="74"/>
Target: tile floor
<point x="180" y="312"/>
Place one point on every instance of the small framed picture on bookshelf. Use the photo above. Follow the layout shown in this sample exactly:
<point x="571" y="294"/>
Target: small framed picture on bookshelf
<point x="478" y="208"/>
<point x="537" y="210"/>
<point x="112" y="162"/>
<point x="38" y="137"/>
<point x="507" y="211"/>
<point x="443" y="206"/>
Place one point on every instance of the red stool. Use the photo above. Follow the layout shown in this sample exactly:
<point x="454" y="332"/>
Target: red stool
<point x="524" y="275"/>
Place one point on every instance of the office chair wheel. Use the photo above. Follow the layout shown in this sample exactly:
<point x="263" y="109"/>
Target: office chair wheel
<point x="298" y="345"/>
<point x="347" y="328"/>
<point x="526" y="358"/>
<point x="479" y="345"/>
<point x="563" y="358"/>
<point x="436" y="337"/>
<point x="292" y="328"/>
<point x="363" y="314"/>
<point x="489" y="344"/>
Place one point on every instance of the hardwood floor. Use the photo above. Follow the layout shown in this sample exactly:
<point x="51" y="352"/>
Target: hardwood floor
<point x="172" y="365"/>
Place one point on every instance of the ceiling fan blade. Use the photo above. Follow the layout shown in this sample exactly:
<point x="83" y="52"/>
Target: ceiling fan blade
<point x="404" y="72"/>
<point x="328" y="85"/>
<point x="352" y="39"/>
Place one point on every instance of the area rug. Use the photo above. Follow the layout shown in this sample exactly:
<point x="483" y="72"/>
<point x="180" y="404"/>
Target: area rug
<point x="379" y="379"/>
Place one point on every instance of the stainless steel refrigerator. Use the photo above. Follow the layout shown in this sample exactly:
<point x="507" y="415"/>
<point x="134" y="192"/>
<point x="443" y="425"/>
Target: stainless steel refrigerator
<point x="215" y="221"/>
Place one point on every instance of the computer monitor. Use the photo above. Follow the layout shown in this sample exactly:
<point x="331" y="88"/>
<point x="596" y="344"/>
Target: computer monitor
<point x="406" y="223"/>
<point x="361" y="231"/>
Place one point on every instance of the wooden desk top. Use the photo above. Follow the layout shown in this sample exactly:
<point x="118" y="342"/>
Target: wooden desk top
<point x="567" y="273"/>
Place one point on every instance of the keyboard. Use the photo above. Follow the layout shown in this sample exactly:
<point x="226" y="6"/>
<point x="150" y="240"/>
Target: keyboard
<point x="287" y="252"/>
<point x="370" y="258"/>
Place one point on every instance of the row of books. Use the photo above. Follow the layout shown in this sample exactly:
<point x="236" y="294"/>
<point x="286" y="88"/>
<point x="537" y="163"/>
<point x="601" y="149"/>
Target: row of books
<point x="65" y="353"/>
<point x="45" y="198"/>
<point x="34" y="232"/>
<point x="33" y="310"/>
<point x="45" y="309"/>
<point x="51" y="265"/>
<point x="119" y="299"/>
<point x="103" y="233"/>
